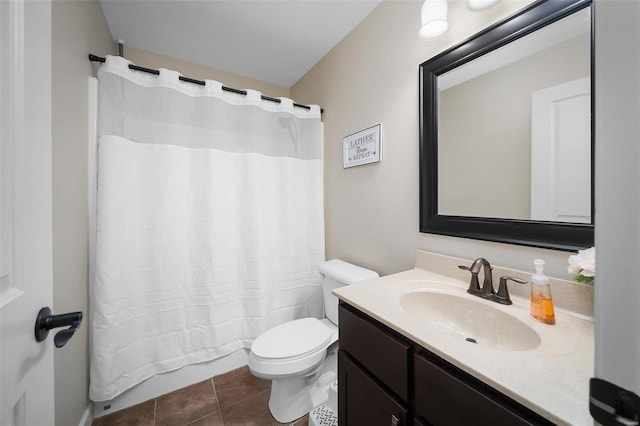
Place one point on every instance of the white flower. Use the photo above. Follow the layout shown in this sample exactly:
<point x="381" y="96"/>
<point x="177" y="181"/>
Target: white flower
<point x="583" y="263"/>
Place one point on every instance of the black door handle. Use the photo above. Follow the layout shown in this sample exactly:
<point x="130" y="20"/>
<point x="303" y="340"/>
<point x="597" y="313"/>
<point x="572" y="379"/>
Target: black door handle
<point x="45" y="322"/>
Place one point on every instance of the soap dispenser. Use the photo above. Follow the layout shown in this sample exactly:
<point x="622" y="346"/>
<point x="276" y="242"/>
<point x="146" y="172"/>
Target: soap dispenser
<point x="541" y="302"/>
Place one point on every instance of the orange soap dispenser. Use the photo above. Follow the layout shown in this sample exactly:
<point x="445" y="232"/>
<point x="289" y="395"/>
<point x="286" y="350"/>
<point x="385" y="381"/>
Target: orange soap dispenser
<point x="541" y="301"/>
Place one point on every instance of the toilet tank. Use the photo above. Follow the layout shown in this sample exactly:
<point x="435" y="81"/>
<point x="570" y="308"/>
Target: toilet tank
<point x="338" y="273"/>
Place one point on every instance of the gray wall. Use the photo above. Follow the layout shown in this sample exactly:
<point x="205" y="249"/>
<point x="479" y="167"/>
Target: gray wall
<point x="79" y="28"/>
<point x="371" y="77"/>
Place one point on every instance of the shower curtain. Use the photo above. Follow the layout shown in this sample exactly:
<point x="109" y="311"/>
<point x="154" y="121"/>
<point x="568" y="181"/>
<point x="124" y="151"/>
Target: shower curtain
<point x="210" y="223"/>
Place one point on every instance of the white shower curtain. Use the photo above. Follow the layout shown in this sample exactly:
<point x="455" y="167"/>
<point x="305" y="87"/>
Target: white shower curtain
<point x="210" y="223"/>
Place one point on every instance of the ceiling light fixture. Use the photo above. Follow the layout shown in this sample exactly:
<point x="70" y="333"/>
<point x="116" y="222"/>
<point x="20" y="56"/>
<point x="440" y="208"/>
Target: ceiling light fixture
<point x="480" y="4"/>
<point x="434" y="18"/>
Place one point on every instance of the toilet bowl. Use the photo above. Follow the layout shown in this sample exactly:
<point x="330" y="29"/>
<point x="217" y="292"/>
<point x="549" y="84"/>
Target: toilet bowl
<point x="300" y="356"/>
<point x="293" y="348"/>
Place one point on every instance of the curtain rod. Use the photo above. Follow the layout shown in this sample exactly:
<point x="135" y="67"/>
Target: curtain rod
<point x="95" y="58"/>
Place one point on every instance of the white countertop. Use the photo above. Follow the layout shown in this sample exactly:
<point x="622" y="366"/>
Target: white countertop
<point x="552" y="379"/>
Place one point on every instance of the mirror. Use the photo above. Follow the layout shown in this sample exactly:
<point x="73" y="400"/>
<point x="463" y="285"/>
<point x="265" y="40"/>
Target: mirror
<point x="506" y="142"/>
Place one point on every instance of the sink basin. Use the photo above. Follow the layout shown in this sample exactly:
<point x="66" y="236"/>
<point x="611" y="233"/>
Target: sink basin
<point x="470" y="320"/>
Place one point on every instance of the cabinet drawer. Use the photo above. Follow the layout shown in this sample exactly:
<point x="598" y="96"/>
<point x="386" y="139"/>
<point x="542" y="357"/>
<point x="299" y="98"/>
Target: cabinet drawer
<point x="368" y="403"/>
<point x="384" y="355"/>
<point x="443" y="399"/>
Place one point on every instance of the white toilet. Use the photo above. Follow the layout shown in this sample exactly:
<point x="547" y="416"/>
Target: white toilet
<point x="300" y="357"/>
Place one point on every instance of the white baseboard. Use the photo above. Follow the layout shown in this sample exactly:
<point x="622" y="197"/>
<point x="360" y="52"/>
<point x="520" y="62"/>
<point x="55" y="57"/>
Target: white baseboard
<point x="87" y="416"/>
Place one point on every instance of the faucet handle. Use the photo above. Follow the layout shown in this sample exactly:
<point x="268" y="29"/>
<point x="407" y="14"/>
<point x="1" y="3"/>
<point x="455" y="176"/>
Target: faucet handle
<point x="474" y="285"/>
<point x="503" y="290"/>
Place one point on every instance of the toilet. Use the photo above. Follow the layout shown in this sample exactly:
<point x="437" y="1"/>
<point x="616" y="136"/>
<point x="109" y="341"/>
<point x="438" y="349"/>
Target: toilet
<point x="300" y="356"/>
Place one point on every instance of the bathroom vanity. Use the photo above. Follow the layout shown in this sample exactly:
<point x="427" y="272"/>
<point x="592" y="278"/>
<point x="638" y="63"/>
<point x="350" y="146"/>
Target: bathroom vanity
<point x="387" y="379"/>
<point x="404" y="360"/>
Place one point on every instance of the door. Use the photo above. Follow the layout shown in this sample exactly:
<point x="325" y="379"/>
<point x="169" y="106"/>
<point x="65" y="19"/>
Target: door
<point x="26" y="367"/>
<point x="617" y="227"/>
<point x="561" y="152"/>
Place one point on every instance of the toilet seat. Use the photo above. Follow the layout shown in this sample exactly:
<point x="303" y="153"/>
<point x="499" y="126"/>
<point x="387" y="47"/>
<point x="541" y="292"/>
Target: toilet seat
<point x="291" y="348"/>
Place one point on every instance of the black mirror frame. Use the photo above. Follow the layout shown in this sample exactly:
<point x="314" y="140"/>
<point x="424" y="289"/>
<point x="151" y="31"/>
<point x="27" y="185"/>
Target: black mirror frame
<point x="552" y="235"/>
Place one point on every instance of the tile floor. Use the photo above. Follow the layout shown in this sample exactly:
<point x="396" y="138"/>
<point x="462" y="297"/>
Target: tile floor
<point x="232" y="399"/>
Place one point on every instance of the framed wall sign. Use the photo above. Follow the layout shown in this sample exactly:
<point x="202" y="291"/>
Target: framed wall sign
<point x="363" y="147"/>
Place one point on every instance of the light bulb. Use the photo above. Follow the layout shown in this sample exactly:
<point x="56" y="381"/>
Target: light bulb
<point x="480" y="4"/>
<point x="434" y="18"/>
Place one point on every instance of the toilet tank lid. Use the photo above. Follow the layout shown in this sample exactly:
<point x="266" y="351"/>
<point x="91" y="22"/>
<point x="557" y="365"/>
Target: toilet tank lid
<point x="346" y="273"/>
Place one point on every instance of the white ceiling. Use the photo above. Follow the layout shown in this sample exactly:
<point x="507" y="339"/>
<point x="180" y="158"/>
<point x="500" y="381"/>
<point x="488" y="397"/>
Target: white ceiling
<point x="276" y="41"/>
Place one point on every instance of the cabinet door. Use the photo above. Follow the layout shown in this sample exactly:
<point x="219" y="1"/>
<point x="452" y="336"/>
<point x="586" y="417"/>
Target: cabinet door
<point x="377" y="350"/>
<point x="445" y="399"/>
<point x="361" y="401"/>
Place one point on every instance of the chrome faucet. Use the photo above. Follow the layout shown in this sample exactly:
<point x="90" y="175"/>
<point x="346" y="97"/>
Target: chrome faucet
<point x="487" y="292"/>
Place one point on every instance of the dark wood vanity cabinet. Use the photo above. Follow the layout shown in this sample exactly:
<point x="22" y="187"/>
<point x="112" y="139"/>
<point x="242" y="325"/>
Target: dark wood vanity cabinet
<point x="386" y="379"/>
<point x="447" y="396"/>
<point x="362" y="400"/>
<point x="373" y="386"/>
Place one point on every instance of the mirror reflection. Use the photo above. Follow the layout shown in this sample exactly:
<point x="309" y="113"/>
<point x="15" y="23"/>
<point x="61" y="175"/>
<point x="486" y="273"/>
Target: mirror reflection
<point x="514" y="129"/>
